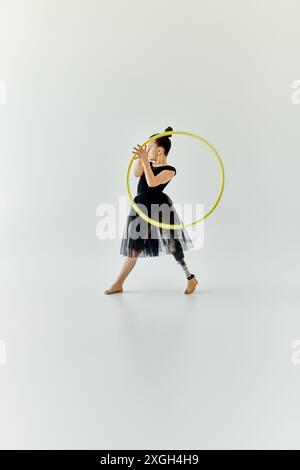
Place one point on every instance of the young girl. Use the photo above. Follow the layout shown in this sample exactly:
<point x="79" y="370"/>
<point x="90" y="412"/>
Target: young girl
<point x="155" y="173"/>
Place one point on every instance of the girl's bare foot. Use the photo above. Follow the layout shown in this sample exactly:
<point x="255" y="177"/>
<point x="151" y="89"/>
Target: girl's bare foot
<point x="114" y="289"/>
<point x="191" y="285"/>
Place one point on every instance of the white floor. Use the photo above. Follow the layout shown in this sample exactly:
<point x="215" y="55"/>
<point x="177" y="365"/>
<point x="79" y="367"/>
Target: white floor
<point x="150" y="368"/>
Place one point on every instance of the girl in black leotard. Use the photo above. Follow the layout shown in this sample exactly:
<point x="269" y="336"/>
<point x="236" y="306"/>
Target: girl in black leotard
<point x="140" y="238"/>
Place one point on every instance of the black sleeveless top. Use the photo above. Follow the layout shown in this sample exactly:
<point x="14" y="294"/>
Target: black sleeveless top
<point x="143" y="187"/>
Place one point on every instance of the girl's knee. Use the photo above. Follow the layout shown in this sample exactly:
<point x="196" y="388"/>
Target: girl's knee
<point x="177" y="252"/>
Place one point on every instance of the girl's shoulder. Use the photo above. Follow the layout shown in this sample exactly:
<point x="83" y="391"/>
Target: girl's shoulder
<point x="170" y="167"/>
<point x="164" y="167"/>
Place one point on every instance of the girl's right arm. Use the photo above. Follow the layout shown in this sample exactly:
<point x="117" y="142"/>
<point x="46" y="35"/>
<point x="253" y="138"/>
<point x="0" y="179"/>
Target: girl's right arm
<point x="138" y="168"/>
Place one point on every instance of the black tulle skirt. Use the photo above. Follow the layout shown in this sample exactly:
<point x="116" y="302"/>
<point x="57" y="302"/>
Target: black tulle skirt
<point x="140" y="238"/>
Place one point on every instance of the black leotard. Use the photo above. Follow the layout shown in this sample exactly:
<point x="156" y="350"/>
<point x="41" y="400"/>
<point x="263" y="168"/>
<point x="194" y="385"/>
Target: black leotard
<point x="155" y="190"/>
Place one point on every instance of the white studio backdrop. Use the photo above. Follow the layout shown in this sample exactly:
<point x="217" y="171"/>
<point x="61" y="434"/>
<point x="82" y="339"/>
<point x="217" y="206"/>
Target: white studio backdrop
<point x="81" y="83"/>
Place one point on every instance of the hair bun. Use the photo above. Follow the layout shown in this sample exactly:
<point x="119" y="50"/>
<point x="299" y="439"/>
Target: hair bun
<point x="167" y="130"/>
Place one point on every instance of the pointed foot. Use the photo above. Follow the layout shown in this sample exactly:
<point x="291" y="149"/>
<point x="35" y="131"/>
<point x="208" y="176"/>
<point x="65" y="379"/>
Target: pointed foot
<point x="114" y="289"/>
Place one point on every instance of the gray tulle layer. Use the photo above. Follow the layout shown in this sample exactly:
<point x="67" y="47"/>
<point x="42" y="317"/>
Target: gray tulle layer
<point x="140" y="238"/>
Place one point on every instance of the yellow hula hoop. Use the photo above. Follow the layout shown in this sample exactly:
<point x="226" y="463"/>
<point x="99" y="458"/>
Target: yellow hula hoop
<point x="176" y="226"/>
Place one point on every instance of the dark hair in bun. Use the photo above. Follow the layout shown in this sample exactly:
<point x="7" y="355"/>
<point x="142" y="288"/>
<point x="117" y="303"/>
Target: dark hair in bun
<point x="164" y="141"/>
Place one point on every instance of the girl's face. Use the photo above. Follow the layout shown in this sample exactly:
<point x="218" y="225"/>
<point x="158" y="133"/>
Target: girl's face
<point x="154" y="150"/>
